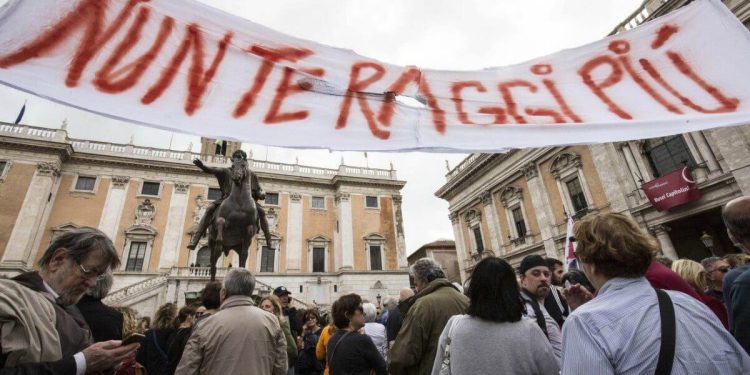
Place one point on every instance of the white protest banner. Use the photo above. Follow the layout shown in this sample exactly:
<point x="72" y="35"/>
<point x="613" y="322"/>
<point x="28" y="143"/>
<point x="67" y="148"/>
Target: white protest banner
<point x="186" y="67"/>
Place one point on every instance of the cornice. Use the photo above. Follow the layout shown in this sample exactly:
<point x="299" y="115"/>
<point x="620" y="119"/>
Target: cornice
<point x="64" y="150"/>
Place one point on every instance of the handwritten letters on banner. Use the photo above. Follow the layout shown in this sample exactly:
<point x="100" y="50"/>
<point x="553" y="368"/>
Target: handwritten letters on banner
<point x="187" y="67"/>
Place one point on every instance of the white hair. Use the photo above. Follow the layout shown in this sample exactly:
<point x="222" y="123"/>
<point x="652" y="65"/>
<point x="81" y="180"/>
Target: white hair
<point x="371" y="313"/>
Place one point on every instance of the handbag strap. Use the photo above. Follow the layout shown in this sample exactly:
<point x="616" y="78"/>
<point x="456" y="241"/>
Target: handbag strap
<point x="668" y="333"/>
<point x="156" y="344"/>
<point x="330" y="359"/>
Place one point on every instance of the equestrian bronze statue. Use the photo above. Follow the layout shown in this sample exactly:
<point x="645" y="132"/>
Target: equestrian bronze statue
<point x="234" y="219"/>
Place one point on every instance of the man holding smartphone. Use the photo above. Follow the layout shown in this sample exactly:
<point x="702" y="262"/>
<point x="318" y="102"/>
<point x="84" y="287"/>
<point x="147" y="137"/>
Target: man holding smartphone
<point x="42" y="331"/>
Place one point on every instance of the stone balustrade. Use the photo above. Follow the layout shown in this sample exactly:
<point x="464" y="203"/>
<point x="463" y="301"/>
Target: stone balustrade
<point x="186" y="157"/>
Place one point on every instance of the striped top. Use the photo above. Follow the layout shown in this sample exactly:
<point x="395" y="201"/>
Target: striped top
<point x="619" y="332"/>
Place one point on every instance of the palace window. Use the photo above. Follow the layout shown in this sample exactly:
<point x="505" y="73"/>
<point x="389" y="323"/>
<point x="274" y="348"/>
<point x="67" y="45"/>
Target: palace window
<point x="319" y="203"/>
<point x="478" y="239"/>
<point x="376" y="258"/>
<point x="136" y="256"/>
<point x="577" y="196"/>
<point x="150" y="188"/>
<point x="85" y="183"/>
<point x="371" y="201"/>
<point x="519" y="222"/>
<point x="272" y="199"/>
<point x="3" y="165"/>
<point x="319" y="259"/>
<point x="267" y="259"/>
<point x="203" y="258"/>
<point x="214" y="194"/>
<point x="567" y="169"/>
<point x="375" y="249"/>
<point x="668" y="154"/>
<point x="317" y="253"/>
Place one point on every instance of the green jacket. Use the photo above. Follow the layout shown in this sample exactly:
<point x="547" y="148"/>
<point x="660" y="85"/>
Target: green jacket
<point x="291" y="342"/>
<point x="415" y="347"/>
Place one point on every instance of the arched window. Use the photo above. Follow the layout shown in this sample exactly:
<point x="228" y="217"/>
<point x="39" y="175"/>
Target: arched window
<point x="203" y="258"/>
<point x="667" y="154"/>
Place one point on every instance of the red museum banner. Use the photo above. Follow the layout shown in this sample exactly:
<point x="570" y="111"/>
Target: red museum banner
<point x="672" y="190"/>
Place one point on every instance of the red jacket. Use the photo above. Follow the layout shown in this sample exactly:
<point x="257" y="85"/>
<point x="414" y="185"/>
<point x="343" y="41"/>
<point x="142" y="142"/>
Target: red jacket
<point x="664" y="278"/>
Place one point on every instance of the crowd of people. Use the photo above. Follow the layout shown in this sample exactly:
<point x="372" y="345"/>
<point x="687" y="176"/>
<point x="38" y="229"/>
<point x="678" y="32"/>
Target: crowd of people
<point x="624" y="311"/>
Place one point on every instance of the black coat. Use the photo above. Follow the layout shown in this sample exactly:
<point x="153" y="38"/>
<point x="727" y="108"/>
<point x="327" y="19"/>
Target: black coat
<point x="153" y="351"/>
<point x="104" y="321"/>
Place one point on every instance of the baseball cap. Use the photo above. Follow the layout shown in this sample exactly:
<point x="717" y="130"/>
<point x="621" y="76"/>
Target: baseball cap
<point x="280" y="291"/>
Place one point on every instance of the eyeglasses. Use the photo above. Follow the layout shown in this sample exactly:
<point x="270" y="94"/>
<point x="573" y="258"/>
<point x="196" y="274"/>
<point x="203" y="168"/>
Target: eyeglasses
<point x="92" y="273"/>
<point x="722" y="269"/>
<point x="311" y="318"/>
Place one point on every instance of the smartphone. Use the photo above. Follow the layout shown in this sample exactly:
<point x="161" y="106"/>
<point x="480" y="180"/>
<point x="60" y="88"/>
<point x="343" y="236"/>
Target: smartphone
<point x="133" y="338"/>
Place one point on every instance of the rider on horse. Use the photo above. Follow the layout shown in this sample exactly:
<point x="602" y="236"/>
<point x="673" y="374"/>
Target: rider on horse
<point x="224" y="176"/>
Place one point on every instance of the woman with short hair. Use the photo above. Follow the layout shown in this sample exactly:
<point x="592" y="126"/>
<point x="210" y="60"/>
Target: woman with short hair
<point x="350" y="352"/>
<point x="375" y="330"/>
<point x="493" y="338"/>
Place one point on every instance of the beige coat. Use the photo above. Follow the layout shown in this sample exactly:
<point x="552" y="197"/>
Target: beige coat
<point x="239" y="339"/>
<point x="27" y="326"/>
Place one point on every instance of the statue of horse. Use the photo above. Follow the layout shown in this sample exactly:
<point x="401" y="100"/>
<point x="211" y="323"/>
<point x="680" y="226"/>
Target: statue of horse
<point x="236" y="220"/>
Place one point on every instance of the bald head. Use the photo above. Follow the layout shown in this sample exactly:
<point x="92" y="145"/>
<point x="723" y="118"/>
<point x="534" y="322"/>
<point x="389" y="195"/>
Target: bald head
<point x="736" y="215"/>
<point x="405" y="294"/>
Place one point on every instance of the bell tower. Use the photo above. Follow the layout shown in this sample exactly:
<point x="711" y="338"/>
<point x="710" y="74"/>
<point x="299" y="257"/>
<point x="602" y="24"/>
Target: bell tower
<point x="210" y="146"/>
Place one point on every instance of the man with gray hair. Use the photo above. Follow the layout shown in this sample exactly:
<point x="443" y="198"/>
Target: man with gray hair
<point x="104" y="321"/>
<point x="240" y="338"/>
<point x="736" y="215"/>
<point x="436" y="301"/>
<point x="42" y="331"/>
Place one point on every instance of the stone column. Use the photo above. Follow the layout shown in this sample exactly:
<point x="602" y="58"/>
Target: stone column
<point x="615" y="183"/>
<point x="706" y="154"/>
<point x="733" y="144"/>
<point x="459" y="240"/>
<point x="492" y="221"/>
<point x="398" y="221"/>
<point x="294" y="233"/>
<point x="662" y="235"/>
<point x="345" y="234"/>
<point x="19" y="251"/>
<point x="113" y="206"/>
<point x="542" y="208"/>
<point x="173" y="231"/>
<point x="635" y="173"/>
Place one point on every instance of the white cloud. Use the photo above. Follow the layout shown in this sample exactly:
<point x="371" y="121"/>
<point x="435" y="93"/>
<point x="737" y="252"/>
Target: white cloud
<point x="443" y="34"/>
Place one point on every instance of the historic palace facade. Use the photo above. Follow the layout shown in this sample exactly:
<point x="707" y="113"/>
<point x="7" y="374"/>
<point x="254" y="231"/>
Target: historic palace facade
<point x="333" y="230"/>
<point x="515" y="204"/>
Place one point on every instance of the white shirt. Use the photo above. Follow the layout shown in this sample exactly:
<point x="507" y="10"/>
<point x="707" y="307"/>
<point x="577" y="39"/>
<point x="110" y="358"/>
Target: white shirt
<point x="377" y="333"/>
<point x="619" y="332"/>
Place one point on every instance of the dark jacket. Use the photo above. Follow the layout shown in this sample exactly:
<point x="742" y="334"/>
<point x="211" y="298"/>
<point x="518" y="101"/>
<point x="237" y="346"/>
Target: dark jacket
<point x="104" y="321"/>
<point x="355" y="355"/>
<point x="416" y="344"/>
<point x="729" y="279"/>
<point x="393" y="325"/>
<point x="295" y="323"/>
<point x="740" y="297"/>
<point x="71" y="327"/>
<point x="176" y="345"/>
<point x="153" y="351"/>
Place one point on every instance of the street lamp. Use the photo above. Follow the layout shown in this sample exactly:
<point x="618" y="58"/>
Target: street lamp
<point x="379" y="297"/>
<point x="708" y="242"/>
